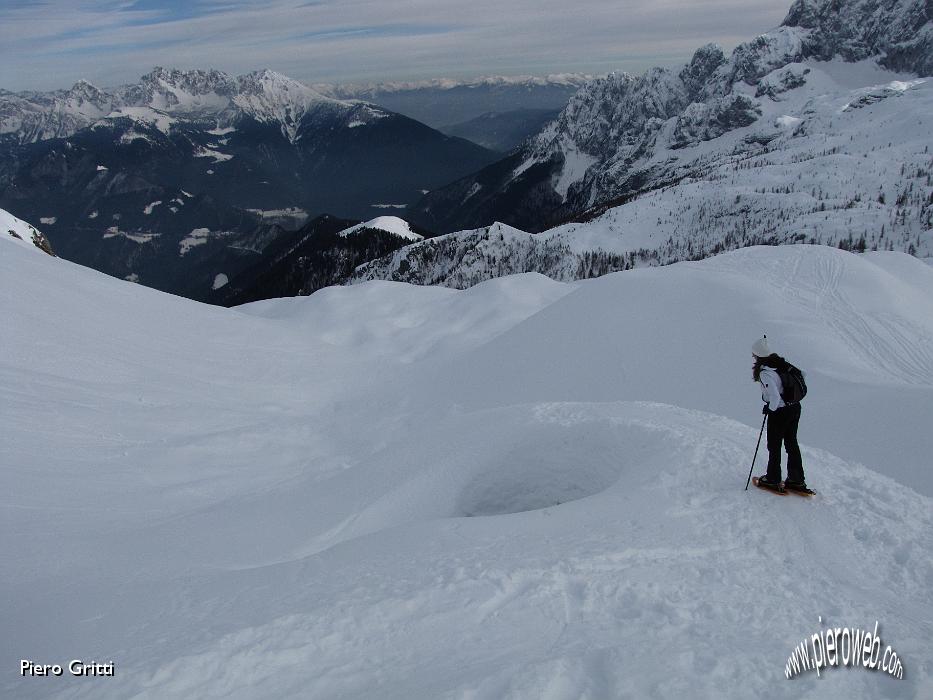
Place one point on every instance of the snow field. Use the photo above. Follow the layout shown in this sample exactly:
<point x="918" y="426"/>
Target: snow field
<point x="524" y="489"/>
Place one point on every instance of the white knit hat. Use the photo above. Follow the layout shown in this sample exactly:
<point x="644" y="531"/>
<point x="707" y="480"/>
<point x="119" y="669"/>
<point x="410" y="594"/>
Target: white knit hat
<point x="760" y="347"/>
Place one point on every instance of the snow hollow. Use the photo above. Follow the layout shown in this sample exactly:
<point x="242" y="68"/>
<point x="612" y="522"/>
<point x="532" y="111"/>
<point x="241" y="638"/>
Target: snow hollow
<point x="527" y="489"/>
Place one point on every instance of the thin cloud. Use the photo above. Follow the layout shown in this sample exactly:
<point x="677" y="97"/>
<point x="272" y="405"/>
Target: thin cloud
<point x="51" y="44"/>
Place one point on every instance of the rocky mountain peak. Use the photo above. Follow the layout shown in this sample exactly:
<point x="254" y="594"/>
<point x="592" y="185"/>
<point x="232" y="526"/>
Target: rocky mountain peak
<point x="86" y="91"/>
<point x="706" y="60"/>
<point x="899" y="32"/>
<point x="803" y="13"/>
<point x="273" y="84"/>
<point x="193" y="82"/>
<point x="267" y="96"/>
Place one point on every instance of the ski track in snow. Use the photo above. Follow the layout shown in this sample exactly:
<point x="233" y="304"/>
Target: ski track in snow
<point x="898" y="348"/>
<point x="388" y="491"/>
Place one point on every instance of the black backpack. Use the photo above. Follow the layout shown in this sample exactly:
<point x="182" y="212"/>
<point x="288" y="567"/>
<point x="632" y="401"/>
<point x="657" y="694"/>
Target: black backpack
<point x="793" y="385"/>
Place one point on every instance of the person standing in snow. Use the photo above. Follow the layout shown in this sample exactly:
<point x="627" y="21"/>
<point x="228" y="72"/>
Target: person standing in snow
<point x="783" y="419"/>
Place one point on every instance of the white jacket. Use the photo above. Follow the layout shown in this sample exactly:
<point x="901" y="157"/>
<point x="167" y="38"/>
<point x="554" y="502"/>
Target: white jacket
<point x="771" y="388"/>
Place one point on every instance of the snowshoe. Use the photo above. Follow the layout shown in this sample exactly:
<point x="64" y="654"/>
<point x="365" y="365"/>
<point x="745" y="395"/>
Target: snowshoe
<point x="762" y="483"/>
<point x="798" y="487"/>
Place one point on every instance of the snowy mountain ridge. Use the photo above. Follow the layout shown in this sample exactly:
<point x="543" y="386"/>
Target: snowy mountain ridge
<point x="264" y="95"/>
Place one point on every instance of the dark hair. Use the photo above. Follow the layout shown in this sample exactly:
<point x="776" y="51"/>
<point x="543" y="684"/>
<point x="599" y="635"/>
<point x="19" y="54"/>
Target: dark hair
<point x="773" y="360"/>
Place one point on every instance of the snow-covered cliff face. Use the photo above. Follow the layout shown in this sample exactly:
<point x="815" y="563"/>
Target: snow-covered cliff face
<point x="616" y="109"/>
<point x="179" y="91"/>
<point x="165" y="95"/>
<point x="898" y="31"/>
<point x="619" y="134"/>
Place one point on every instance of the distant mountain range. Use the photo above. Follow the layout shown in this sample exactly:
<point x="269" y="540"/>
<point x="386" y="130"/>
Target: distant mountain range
<point x="162" y="180"/>
<point x="444" y="102"/>
<point x="497" y="112"/>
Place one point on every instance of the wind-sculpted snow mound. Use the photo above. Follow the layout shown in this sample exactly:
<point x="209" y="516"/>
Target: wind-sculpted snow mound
<point x="524" y="489"/>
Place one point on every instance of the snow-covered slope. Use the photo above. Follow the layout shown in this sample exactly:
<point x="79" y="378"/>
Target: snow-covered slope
<point x="842" y="158"/>
<point x="389" y="224"/>
<point x="524" y="489"/>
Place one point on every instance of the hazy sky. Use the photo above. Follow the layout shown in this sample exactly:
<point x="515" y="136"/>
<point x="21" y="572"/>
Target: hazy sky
<point x="47" y="44"/>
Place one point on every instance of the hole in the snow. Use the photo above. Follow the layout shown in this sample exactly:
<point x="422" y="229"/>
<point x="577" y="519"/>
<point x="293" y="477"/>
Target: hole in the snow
<point x="552" y="466"/>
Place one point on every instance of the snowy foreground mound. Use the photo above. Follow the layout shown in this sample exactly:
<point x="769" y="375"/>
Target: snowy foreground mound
<point x="528" y="489"/>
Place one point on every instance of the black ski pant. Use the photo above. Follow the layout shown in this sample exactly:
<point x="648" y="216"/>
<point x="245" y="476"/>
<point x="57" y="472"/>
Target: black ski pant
<point x="782" y="428"/>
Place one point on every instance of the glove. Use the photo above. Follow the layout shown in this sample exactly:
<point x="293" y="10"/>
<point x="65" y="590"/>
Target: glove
<point x="765" y="410"/>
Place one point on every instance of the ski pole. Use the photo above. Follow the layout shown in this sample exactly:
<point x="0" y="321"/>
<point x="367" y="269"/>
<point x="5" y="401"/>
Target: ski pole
<point x="748" y="481"/>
